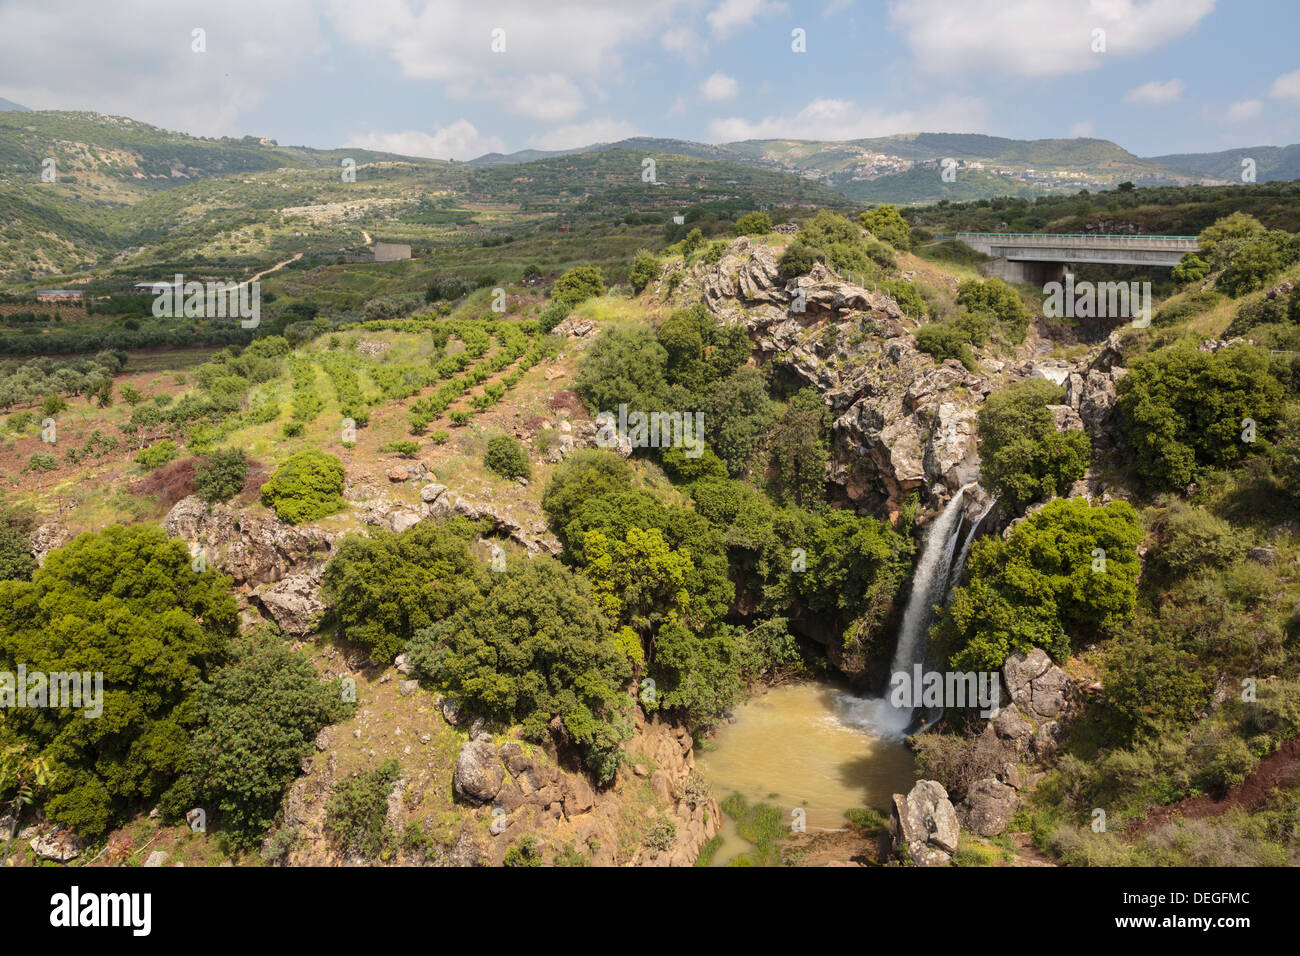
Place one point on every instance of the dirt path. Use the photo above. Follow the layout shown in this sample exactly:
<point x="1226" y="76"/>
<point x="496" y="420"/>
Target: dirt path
<point x="275" y="268"/>
<point x="367" y="237"/>
<point x="1275" y="772"/>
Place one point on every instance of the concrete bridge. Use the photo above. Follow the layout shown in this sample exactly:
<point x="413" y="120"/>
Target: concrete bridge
<point x="1043" y="257"/>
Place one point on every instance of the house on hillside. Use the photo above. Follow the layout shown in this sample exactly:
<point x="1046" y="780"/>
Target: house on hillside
<point x="390" y="251"/>
<point x="59" y="295"/>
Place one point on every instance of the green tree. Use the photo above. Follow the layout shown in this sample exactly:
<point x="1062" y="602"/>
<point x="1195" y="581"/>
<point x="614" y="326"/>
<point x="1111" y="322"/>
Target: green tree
<point x="645" y="267"/>
<point x="624" y="366"/>
<point x="219" y="475"/>
<point x="1023" y="457"/>
<point x="579" y="283"/>
<point x="1070" y="569"/>
<point x="738" y="417"/>
<point x="306" y="487"/>
<point x="885" y="222"/>
<point x="753" y="224"/>
<point x="386" y="586"/>
<point x="257" y="719"/>
<point x="125" y="603"/>
<point x="532" y="646"/>
<point x="1184" y="410"/>
<point x="798" y="450"/>
<point x="507" y="458"/>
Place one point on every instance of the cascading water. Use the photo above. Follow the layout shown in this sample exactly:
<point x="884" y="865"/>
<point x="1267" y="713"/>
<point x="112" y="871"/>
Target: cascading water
<point x="959" y="565"/>
<point x="930" y="586"/>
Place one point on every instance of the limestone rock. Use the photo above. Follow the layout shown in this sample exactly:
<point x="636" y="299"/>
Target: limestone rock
<point x="294" y="602"/>
<point x="925" y="823"/>
<point x="479" y="774"/>
<point x="59" y="846"/>
<point x="988" y="807"/>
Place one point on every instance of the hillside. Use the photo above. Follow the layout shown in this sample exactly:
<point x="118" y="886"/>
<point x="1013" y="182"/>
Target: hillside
<point x="1271" y="162"/>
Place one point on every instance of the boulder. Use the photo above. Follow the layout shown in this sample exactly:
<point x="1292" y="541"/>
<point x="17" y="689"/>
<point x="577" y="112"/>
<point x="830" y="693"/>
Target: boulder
<point x="479" y="774"/>
<point x="431" y="492"/>
<point x="988" y="807"/>
<point x="253" y="549"/>
<point x="398" y="473"/>
<point x="1037" y="686"/>
<point x="402" y="519"/>
<point x="294" y="602"/>
<point x="59" y="845"/>
<point x="924" y="823"/>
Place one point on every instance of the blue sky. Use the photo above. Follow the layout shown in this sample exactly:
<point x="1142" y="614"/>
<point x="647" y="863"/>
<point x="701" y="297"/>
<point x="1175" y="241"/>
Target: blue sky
<point x="423" y="78"/>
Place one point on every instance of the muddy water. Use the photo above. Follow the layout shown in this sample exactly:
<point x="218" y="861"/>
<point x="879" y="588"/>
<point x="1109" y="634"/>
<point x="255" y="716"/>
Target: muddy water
<point x="809" y="745"/>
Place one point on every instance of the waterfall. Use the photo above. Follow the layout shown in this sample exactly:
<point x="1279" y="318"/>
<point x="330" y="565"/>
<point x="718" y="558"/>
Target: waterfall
<point x="937" y="571"/>
<point x="960" y="564"/>
<point x="929" y="585"/>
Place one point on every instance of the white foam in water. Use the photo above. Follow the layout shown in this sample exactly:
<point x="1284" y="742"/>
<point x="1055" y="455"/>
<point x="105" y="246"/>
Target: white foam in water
<point x="873" y="715"/>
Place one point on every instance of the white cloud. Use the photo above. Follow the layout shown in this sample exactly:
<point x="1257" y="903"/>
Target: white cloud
<point x="584" y="134"/>
<point x="1032" y="38"/>
<point x="458" y="140"/>
<point x="732" y="15"/>
<point x="137" y="59"/>
<point x="571" y="45"/>
<point x="683" y="41"/>
<point x="1243" y="110"/>
<point x="549" y="97"/>
<point x="1287" y="86"/>
<point x="834" y="119"/>
<point x="1083" y="128"/>
<point x="1155" y="93"/>
<point x="719" y="88"/>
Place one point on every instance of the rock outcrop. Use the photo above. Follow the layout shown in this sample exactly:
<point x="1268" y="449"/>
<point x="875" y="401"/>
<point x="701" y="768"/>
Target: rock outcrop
<point x="924" y="824"/>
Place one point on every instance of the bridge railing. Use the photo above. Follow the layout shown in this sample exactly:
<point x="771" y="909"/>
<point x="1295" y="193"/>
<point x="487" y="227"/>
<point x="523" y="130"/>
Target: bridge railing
<point x="1048" y="238"/>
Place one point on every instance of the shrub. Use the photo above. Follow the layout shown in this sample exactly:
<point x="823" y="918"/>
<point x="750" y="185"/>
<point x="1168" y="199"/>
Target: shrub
<point x="1023" y="456"/>
<point x="507" y="458"/>
<point x="220" y="475"/>
<point x="1195" y="539"/>
<point x="256" y="722"/>
<point x="404" y="447"/>
<point x="797" y="260"/>
<point x="523" y="852"/>
<point x="644" y="269"/>
<point x="1185" y="410"/>
<point x="356" y="817"/>
<point x="998" y="298"/>
<point x="156" y="455"/>
<point x="125" y="601"/>
<point x="439" y="436"/>
<point x="534" y="646"/>
<point x="943" y="341"/>
<point x="386" y="586"/>
<point x="753" y="224"/>
<point x="582" y="282"/>
<point x="292" y="429"/>
<point x="42" y="461"/>
<point x="885" y="222"/>
<point x="16" y="561"/>
<point x="1069" y="568"/>
<point x="306" y="487"/>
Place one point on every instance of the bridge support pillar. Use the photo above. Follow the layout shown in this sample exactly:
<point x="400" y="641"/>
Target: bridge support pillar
<point x="1035" y="273"/>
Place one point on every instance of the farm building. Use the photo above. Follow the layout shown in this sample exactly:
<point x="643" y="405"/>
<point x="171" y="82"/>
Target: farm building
<point x="59" y="295"/>
<point x="391" y="251"/>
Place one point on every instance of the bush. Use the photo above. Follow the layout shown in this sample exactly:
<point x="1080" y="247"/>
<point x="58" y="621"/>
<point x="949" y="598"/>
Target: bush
<point x="582" y="282"/>
<point x="943" y="341"/>
<point x="124" y="601"/>
<point x="356" y="817"/>
<point x="16" y="561"/>
<point x="404" y="447"/>
<point x="523" y="852"/>
<point x="1185" y="410"/>
<point x="1070" y="568"/>
<point x="220" y="475"/>
<point x="1023" y="456"/>
<point x="645" y="267"/>
<point x="292" y="429"/>
<point x="257" y="719"/>
<point x="387" y="586"/>
<point x="1195" y="539"/>
<point x="1000" y="299"/>
<point x="531" y="647"/>
<point x="753" y="224"/>
<point x="507" y="458"/>
<point x="885" y="222"/>
<point x="156" y="455"/>
<point x="306" y="487"/>
<point x="797" y="260"/>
